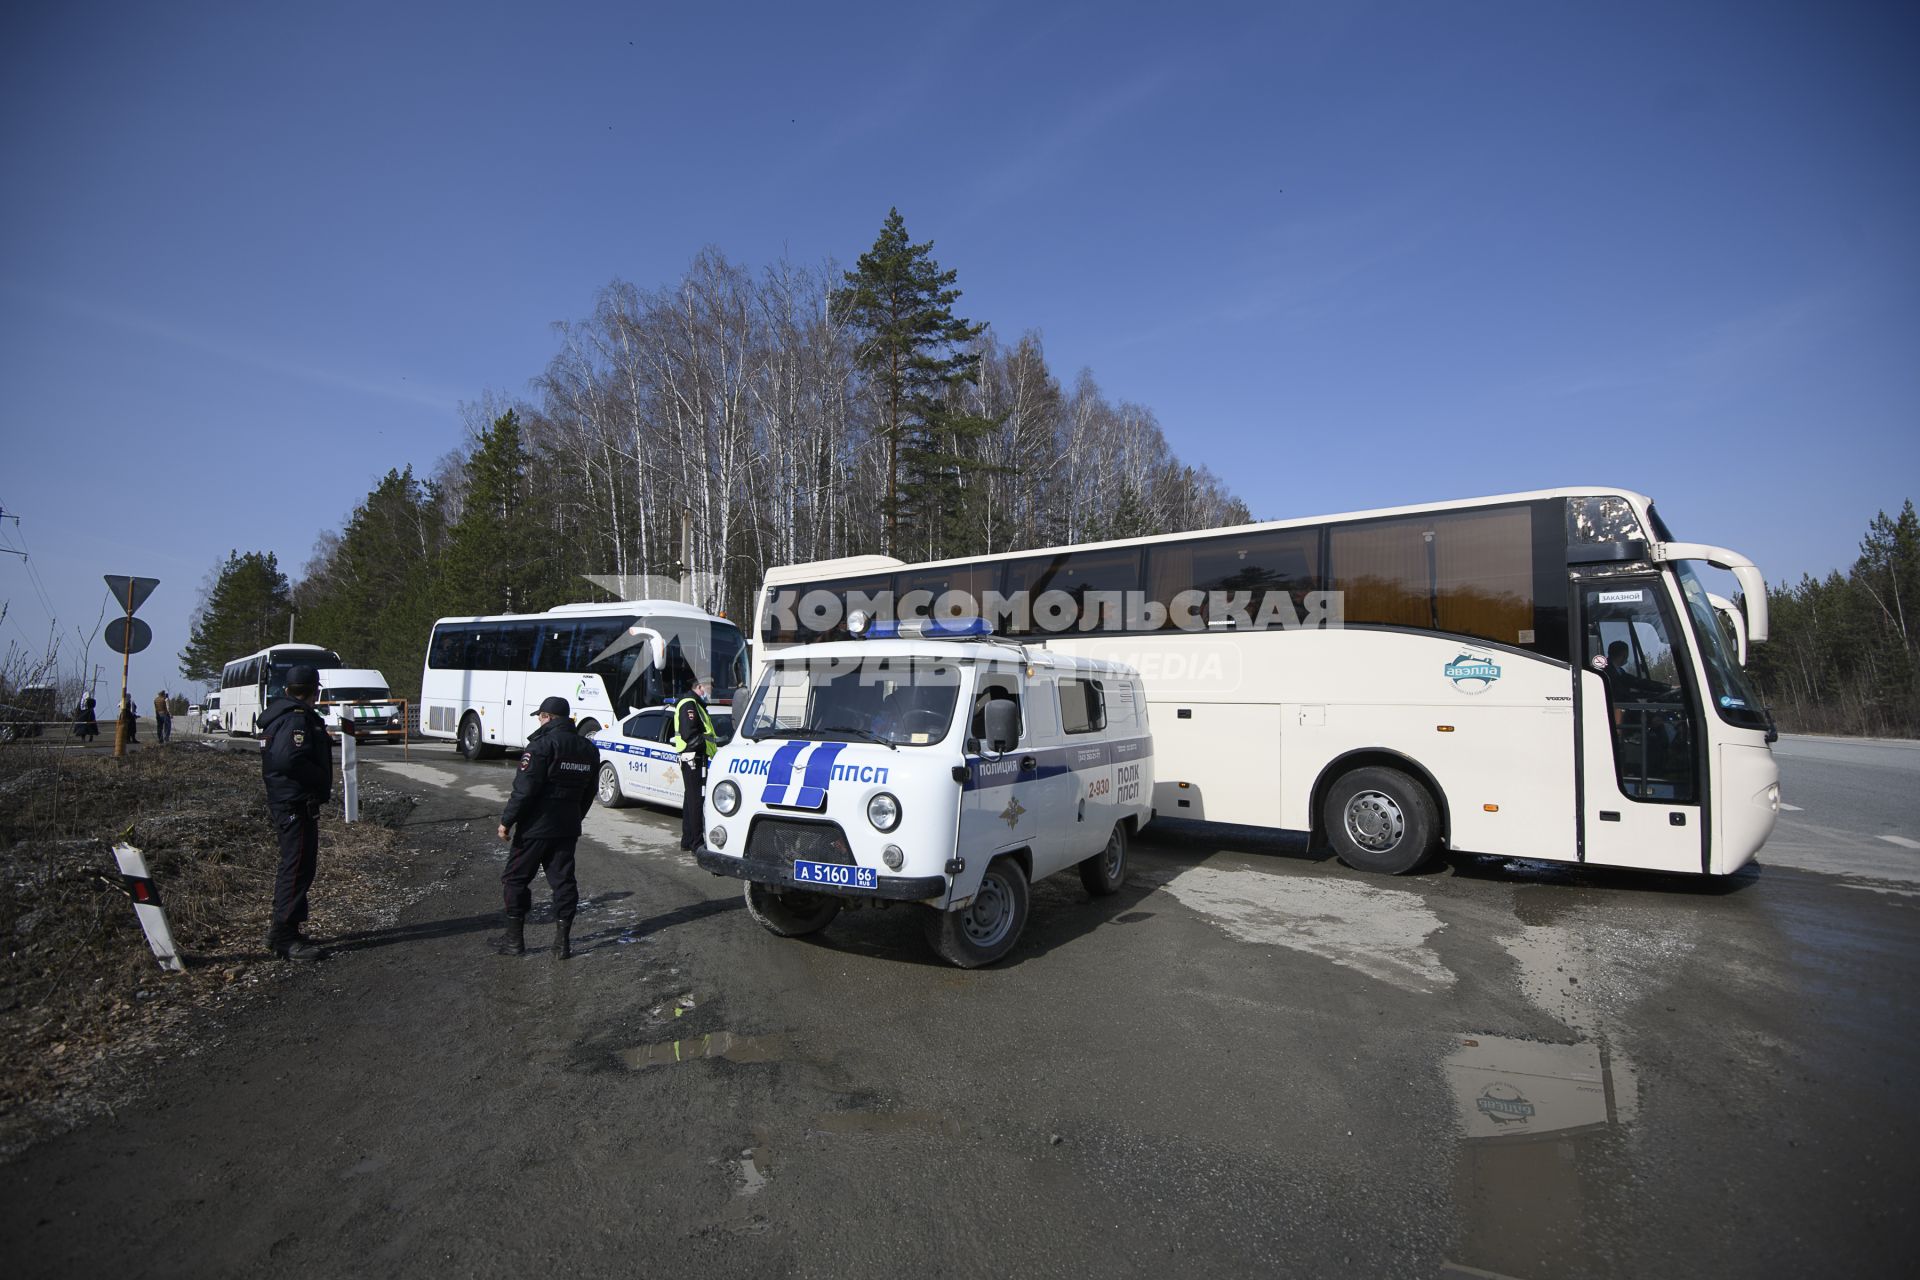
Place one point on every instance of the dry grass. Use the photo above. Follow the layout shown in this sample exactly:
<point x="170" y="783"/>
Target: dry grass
<point x="83" y="1004"/>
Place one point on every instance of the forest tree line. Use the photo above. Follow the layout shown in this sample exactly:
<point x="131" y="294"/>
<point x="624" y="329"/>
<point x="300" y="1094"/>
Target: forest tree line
<point x="709" y="429"/>
<point x="1844" y="653"/>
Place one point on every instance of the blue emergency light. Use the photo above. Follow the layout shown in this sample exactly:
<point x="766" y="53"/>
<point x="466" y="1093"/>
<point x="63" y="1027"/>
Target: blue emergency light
<point x="867" y="628"/>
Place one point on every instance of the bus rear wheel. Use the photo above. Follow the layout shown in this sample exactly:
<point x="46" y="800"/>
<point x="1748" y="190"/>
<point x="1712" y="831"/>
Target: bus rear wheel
<point x="587" y="728"/>
<point x="790" y="913"/>
<point x="1381" y="820"/>
<point x="470" y="744"/>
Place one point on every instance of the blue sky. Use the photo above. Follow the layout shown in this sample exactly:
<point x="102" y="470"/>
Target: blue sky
<point x="1351" y="254"/>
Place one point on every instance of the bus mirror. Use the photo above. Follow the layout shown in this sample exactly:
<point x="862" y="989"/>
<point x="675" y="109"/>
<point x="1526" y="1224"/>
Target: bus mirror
<point x="1002" y="725"/>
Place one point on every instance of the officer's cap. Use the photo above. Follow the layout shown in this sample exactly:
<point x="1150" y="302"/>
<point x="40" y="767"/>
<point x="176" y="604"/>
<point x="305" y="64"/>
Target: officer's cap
<point x="554" y="707"/>
<point x="303" y="678"/>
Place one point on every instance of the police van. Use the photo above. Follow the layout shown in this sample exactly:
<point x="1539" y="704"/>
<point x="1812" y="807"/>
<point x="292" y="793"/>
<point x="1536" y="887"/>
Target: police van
<point x="933" y="765"/>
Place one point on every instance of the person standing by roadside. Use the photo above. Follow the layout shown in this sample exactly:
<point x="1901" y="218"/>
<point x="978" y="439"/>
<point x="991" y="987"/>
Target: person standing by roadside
<point x="296" y="760"/>
<point x="86" y="726"/>
<point x="695" y="740"/>
<point x="551" y="794"/>
<point x="129" y="717"/>
<point x="162" y="717"/>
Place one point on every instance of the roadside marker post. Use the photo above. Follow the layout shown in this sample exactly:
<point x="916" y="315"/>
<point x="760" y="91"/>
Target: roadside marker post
<point x="146" y="905"/>
<point x="350" y="769"/>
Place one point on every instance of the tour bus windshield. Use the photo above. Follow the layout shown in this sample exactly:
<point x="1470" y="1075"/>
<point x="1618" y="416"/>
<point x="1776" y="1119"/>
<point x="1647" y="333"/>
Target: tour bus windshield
<point x="283" y="663"/>
<point x="1734" y="696"/>
<point x="900" y="702"/>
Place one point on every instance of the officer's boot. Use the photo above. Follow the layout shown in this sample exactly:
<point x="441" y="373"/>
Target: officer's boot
<point x="516" y="942"/>
<point x="289" y="945"/>
<point x="563" y="939"/>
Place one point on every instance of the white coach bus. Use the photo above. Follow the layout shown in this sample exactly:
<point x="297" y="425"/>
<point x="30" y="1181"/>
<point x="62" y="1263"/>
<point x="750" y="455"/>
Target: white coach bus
<point x="1538" y="675"/>
<point x="248" y="684"/>
<point x="485" y="676"/>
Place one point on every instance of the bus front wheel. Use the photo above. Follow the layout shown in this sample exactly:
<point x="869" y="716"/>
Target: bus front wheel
<point x="1381" y="820"/>
<point x="470" y="744"/>
<point x="587" y="728"/>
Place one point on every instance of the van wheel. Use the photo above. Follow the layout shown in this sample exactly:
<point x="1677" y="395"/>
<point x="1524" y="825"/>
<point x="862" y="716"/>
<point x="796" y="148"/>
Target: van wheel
<point x="1106" y="870"/>
<point x="989" y="926"/>
<point x="587" y="728"/>
<point x="1381" y="820"/>
<point x="608" y="792"/>
<point x="470" y="745"/>
<point x="790" y="913"/>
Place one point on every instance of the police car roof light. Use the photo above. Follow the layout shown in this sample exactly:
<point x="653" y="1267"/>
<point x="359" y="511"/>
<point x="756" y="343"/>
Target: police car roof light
<point x="927" y="629"/>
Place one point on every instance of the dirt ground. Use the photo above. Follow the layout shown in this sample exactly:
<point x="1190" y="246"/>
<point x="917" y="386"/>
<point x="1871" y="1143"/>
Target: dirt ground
<point x="84" y="1007"/>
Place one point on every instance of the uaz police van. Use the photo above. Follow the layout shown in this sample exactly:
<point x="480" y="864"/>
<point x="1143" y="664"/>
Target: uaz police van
<point x="942" y="767"/>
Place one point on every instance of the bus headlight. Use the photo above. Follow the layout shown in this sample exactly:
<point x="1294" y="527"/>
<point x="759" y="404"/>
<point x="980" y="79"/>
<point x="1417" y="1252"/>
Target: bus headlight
<point x="726" y="798"/>
<point x="883" y="811"/>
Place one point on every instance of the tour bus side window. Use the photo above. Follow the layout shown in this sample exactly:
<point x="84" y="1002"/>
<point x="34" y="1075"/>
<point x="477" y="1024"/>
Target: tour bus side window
<point x="513" y="645"/>
<point x="1083" y="707"/>
<point x="1466" y="572"/>
<point x="955" y="591"/>
<point x="1077" y="575"/>
<point x="1235" y="573"/>
<point x="448" y="651"/>
<point x="550" y="654"/>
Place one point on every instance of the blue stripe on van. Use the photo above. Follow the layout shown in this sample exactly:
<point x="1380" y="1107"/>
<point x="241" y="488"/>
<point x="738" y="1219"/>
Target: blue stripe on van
<point x="813" y="788"/>
<point x="1004" y="771"/>
<point x="780" y="772"/>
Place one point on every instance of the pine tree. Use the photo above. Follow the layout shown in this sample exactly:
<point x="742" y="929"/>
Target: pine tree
<point x="244" y="609"/>
<point x="497" y="560"/>
<point x="913" y="354"/>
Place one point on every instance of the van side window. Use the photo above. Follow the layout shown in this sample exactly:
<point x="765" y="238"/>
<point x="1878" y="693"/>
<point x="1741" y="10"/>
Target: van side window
<point x="1083" y="705"/>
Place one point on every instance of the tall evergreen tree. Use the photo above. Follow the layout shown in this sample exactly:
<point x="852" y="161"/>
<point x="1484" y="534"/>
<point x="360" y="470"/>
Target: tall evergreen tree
<point x="913" y="354"/>
<point x="245" y="608"/>
<point x="496" y="562"/>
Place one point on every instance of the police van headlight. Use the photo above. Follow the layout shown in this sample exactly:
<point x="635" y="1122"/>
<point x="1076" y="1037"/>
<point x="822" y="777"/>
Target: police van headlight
<point x="883" y="811"/>
<point x="894" y="856"/>
<point x="726" y="798"/>
<point x="717" y="837"/>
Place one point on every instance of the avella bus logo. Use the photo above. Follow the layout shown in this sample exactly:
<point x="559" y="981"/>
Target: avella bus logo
<point x="1471" y="673"/>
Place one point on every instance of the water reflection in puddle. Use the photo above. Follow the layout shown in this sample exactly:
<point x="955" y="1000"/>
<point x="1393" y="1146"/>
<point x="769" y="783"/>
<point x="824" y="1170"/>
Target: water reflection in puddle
<point x="717" y="1044"/>
<point x="1529" y="1114"/>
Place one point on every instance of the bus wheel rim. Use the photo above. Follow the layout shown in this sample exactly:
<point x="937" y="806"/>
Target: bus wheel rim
<point x="1375" y="821"/>
<point x="990" y="915"/>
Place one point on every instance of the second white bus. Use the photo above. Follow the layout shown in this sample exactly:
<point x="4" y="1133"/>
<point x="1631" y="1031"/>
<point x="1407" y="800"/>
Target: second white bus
<point x="248" y="684"/>
<point x="485" y="676"/>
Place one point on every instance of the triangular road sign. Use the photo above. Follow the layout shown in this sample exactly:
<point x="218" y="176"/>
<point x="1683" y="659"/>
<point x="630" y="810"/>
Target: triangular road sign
<point x="141" y="588"/>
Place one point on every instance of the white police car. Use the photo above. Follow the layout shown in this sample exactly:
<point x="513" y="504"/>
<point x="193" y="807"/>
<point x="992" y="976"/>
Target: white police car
<point x="637" y="759"/>
<point x="942" y="768"/>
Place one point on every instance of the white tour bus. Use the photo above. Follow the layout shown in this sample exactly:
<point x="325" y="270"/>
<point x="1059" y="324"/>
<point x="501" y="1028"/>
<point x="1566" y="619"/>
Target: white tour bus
<point x="1536" y="675"/>
<point x="949" y="770"/>
<point x="248" y="684"/>
<point x="486" y="676"/>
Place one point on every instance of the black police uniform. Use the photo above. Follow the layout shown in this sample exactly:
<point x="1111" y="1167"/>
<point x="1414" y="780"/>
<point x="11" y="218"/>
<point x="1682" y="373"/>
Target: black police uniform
<point x="691" y="722"/>
<point x="551" y="794"/>
<point x="296" y="760"/>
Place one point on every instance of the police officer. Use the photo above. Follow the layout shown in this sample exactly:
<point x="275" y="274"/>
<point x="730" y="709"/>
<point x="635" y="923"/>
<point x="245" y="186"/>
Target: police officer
<point x="695" y="740"/>
<point x="296" y="760"/>
<point x="551" y="794"/>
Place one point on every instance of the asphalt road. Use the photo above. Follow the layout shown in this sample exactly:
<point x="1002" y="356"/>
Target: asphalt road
<point x="1250" y="1061"/>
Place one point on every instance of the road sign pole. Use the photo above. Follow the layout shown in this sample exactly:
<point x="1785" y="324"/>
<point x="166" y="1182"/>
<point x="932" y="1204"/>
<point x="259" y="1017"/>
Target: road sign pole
<point x="126" y="661"/>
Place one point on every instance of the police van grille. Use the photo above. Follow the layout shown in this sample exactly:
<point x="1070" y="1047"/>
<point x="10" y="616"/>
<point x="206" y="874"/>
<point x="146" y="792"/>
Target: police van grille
<point x="786" y="839"/>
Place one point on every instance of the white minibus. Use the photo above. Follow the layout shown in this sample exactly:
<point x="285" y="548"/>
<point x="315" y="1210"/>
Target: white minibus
<point x="1538" y="675"/>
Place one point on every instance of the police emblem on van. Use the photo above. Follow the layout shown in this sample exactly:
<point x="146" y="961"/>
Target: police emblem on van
<point x="1471" y="673"/>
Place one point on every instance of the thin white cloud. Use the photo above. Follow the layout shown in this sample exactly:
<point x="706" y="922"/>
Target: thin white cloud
<point x="243" y="353"/>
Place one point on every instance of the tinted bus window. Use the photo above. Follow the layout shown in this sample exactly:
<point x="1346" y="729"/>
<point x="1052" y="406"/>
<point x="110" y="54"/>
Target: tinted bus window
<point x="955" y="591"/>
<point x="1467" y="572"/>
<point x="1247" y="566"/>
<point x="1077" y="575"/>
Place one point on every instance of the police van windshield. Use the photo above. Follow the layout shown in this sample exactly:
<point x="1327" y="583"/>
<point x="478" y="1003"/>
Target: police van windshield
<point x="900" y="702"/>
